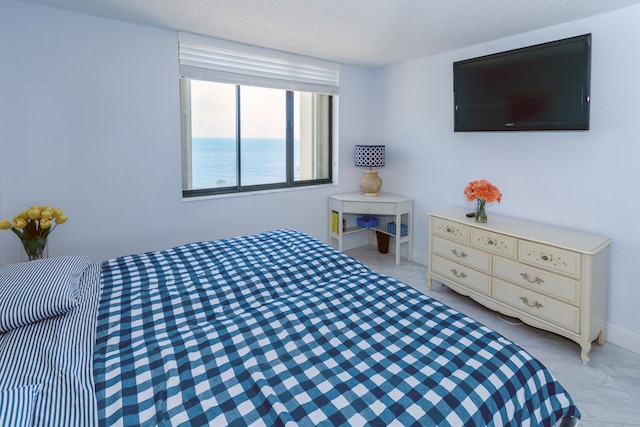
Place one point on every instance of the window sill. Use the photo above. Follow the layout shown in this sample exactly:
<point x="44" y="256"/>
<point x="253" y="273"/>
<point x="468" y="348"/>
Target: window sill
<point x="257" y="192"/>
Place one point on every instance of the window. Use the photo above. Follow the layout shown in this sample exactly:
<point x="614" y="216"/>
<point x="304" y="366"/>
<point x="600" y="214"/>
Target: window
<point x="243" y="138"/>
<point x="252" y="130"/>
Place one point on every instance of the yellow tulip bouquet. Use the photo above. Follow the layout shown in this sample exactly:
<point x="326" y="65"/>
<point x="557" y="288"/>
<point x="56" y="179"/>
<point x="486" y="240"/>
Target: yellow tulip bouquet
<point x="33" y="226"/>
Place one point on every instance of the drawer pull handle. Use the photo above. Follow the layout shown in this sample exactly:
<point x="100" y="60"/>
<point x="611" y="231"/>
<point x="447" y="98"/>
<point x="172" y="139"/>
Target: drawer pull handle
<point x="459" y="254"/>
<point x="526" y="277"/>
<point x="545" y="257"/>
<point x="449" y="230"/>
<point x="534" y="304"/>
<point x="491" y="242"/>
<point x="460" y="275"/>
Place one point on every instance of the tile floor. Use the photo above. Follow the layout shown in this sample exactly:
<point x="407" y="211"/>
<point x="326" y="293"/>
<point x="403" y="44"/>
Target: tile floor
<point x="607" y="391"/>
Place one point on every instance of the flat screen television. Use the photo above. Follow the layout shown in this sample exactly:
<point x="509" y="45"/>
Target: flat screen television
<point x="540" y="87"/>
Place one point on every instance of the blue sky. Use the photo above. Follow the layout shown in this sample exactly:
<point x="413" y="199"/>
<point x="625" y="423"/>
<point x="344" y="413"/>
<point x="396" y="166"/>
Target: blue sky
<point x="213" y="111"/>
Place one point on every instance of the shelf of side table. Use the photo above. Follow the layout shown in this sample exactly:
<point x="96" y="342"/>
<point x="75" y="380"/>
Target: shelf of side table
<point x="397" y="208"/>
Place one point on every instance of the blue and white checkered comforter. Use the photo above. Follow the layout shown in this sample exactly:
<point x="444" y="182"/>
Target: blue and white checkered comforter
<point x="280" y="329"/>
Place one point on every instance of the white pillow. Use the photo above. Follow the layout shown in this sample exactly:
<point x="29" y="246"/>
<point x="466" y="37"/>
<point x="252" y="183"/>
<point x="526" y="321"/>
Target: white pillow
<point x="16" y="406"/>
<point x="35" y="290"/>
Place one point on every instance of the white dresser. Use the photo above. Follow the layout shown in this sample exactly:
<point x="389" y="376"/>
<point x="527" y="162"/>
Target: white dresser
<point x="549" y="277"/>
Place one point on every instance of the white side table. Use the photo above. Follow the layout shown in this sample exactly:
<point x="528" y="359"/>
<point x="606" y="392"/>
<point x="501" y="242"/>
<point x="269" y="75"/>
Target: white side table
<point x="345" y="208"/>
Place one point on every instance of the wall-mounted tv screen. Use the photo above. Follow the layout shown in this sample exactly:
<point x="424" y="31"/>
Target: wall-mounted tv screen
<point x="541" y="87"/>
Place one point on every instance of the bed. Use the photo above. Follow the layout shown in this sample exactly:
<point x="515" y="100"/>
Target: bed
<point x="270" y="329"/>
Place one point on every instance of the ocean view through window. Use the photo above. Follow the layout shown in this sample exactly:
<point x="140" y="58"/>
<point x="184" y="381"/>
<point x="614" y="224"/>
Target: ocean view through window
<point x="213" y="161"/>
<point x="238" y="138"/>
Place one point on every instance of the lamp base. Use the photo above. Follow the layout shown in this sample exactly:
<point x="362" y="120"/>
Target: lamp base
<point x="371" y="183"/>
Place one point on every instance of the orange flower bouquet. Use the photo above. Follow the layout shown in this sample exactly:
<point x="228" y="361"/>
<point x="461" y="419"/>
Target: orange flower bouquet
<point x="482" y="191"/>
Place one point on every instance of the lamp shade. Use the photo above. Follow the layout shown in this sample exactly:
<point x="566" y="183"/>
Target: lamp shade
<point x="369" y="155"/>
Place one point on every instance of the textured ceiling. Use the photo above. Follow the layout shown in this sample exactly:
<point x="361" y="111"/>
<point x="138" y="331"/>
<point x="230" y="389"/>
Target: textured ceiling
<point x="368" y="33"/>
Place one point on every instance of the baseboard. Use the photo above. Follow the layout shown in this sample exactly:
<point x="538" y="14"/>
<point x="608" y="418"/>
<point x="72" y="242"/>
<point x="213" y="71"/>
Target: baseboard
<point x="623" y="338"/>
<point x="420" y="257"/>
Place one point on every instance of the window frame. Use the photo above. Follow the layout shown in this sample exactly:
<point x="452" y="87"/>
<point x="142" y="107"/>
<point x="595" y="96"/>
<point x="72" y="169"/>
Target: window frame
<point x="290" y="182"/>
<point x="208" y="59"/>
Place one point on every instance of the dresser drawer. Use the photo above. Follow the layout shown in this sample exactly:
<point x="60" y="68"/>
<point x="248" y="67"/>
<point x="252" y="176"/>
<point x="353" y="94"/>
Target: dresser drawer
<point x="462" y="254"/>
<point x="538" y="305"/>
<point x="461" y="274"/>
<point x="538" y="280"/>
<point x="378" y="208"/>
<point x="494" y="242"/>
<point x="451" y="230"/>
<point x="548" y="257"/>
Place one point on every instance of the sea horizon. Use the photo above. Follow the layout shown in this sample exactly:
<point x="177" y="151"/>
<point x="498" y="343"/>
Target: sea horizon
<point x="263" y="161"/>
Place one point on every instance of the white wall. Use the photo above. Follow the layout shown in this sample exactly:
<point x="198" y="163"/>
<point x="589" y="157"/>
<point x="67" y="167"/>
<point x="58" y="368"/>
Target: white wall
<point x="89" y="122"/>
<point x="585" y="180"/>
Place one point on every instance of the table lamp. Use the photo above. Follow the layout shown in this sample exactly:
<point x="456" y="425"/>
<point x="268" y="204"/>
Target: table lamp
<point x="370" y="156"/>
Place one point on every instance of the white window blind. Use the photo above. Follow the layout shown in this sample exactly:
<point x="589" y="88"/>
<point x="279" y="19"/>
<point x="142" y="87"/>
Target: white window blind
<point x="206" y="58"/>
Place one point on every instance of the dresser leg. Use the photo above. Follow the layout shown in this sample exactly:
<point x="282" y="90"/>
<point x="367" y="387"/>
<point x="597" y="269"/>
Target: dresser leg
<point x="586" y="348"/>
<point x="600" y="338"/>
